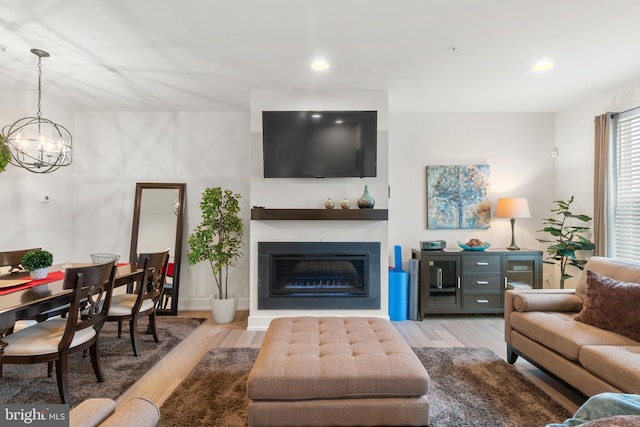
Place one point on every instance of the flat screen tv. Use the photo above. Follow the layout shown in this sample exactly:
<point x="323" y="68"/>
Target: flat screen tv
<point x="319" y="144"/>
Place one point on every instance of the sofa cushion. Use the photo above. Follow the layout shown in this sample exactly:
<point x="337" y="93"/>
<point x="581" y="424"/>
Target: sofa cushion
<point x="612" y="305"/>
<point x="617" y="270"/>
<point x="618" y="365"/>
<point x="547" y="302"/>
<point x="561" y="333"/>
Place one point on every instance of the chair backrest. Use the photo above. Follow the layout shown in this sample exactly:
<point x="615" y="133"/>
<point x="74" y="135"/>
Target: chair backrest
<point x="13" y="258"/>
<point x="154" y="266"/>
<point x="91" y="292"/>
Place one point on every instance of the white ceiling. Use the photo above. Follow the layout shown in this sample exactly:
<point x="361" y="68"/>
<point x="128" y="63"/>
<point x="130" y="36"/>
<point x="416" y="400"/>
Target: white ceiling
<point x="208" y="55"/>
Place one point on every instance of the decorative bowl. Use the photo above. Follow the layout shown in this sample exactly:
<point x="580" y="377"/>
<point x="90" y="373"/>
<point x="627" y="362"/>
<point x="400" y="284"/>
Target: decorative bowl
<point x="474" y="248"/>
<point x="104" y="258"/>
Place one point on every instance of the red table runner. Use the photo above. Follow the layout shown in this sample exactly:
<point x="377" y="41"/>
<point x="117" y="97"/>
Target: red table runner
<point x="51" y="277"/>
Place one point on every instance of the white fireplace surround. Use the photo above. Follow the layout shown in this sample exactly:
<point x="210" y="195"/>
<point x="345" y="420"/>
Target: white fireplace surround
<point x="311" y="193"/>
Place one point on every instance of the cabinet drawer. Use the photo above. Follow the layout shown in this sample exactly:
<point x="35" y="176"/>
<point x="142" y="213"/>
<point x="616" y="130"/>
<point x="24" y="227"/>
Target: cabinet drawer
<point x="481" y="301"/>
<point x="481" y="281"/>
<point x="475" y="263"/>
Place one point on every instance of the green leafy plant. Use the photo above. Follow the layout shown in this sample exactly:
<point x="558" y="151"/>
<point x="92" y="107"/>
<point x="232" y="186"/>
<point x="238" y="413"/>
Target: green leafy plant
<point x="567" y="238"/>
<point x="35" y="259"/>
<point x="218" y="238"/>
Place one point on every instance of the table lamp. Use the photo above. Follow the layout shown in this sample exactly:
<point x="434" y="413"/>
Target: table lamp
<point x="516" y="207"/>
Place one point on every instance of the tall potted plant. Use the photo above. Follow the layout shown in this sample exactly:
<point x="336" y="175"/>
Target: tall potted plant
<point x="218" y="241"/>
<point x="567" y="239"/>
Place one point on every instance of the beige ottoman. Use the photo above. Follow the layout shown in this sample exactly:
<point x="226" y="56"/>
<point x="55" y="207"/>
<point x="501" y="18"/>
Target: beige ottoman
<point x="336" y="371"/>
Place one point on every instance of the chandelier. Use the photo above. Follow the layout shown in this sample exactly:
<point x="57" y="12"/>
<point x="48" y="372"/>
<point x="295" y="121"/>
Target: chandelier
<point x="35" y="143"/>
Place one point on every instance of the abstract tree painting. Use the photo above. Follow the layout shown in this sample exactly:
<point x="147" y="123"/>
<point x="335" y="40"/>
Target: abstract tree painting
<point x="458" y="197"/>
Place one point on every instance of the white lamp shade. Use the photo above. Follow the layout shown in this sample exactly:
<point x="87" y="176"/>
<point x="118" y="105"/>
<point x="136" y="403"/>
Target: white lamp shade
<point x="516" y="207"/>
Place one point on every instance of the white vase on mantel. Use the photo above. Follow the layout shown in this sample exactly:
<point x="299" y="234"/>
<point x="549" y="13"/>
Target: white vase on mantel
<point x="224" y="310"/>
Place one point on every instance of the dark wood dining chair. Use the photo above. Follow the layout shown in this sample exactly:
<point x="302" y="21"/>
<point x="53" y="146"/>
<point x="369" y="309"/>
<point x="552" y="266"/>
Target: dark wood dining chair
<point x="57" y="338"/>
<point x="12" y="259"/>
<point x="144" y="301"/>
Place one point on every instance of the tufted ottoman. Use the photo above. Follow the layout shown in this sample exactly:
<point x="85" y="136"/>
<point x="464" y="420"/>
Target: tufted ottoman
<point x="336" y="371"/>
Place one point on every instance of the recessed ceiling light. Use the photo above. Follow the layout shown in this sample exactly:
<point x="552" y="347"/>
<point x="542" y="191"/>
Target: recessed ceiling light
<point x="316" y="115"/>
<point x="320" y="65"/>
<point x="338" y="122"/>
<point x="543" y="65"/>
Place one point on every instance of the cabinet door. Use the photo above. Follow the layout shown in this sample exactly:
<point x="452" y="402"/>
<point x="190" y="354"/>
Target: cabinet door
<point x="440" y="284"/>
<point x="522" y="271"/>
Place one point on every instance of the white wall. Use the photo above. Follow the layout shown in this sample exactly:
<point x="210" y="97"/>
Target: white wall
<point x="91" y="204"/>
<point x="516" y="146"/>
<point x="26" y="222"/>
<point x="575" y="139"/>
<point x="92" y="200"/>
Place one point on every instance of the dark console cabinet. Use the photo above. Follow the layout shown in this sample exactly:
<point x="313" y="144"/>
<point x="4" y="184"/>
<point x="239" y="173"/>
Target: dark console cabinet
<point x="453" y="281"/>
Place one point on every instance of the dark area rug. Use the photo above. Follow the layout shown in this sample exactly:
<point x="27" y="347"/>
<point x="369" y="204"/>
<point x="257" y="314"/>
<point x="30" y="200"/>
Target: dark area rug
<point x="469" y="387"/>
<point x="29" y="383"/>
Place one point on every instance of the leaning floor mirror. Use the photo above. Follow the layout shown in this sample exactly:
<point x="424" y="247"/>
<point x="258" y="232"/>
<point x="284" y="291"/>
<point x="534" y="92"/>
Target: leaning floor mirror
<point x="158" y="214"/>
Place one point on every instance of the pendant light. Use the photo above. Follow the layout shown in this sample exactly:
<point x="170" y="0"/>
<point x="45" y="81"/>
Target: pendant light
<point x="35" y="143"/>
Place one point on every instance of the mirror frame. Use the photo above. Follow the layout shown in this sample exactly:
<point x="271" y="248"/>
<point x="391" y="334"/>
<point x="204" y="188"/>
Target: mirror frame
<point x="177" y="254"/>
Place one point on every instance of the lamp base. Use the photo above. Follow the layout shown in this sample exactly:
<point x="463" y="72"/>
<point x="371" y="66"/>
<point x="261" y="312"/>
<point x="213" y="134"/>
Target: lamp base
<point x="513" y="246"/>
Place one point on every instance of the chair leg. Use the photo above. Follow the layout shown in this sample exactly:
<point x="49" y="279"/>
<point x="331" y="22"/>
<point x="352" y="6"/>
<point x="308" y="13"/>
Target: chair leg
<point x="119" y="329"/>
<point x="133" y="331"/>
<point x="95" y="362"/>
<point x="152" y="326"/>
<point x="62" y="369"/>
<point x="49" y="369"/>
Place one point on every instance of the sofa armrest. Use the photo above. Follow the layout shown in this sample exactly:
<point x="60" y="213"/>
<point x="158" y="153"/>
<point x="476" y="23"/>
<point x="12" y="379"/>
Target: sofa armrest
<point x="91" y="412"/>
<point x="137" y="412"/>
<point x="538" y="300"/>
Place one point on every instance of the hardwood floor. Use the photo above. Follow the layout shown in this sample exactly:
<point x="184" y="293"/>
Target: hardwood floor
<point x="436" y="331"/>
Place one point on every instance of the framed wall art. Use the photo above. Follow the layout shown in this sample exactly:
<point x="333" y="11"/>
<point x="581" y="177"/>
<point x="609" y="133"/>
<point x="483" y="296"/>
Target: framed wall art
<point x="458" y="197"/>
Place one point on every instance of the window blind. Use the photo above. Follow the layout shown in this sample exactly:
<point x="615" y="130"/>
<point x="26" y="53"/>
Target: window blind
<point x="626" y="241"/>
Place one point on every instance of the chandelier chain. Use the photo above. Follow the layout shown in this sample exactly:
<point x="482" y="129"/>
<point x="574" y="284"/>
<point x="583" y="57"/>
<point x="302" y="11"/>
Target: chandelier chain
<point x="39" y="86"/>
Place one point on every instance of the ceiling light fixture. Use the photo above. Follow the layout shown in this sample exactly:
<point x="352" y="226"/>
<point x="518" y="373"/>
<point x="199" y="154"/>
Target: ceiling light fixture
<point x="543" y="65"/>
<point x="320" y="65"/>
<point x="35" y="143"/>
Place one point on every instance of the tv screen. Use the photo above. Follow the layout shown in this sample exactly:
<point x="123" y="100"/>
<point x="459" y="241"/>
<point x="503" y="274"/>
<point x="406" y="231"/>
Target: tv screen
<point x="319" y="144"/>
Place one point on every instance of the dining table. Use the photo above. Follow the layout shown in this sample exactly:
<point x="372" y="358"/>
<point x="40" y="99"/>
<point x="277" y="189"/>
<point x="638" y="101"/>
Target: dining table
<point x="23" y="298"/>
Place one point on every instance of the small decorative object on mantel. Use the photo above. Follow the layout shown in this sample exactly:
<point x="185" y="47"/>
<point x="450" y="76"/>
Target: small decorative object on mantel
<point x="345" y="203"/>
<point x="37" y="262"/>
<point x="329" y="204"/>
<point x="366" y="201"/>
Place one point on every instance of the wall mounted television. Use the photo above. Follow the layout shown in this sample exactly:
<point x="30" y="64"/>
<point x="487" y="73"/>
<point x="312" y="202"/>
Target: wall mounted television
<point x="319" y="144"/>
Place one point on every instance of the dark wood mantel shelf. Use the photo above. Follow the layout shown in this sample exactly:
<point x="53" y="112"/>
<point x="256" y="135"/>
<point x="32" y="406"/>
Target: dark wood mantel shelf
<point x="264" y="214"/>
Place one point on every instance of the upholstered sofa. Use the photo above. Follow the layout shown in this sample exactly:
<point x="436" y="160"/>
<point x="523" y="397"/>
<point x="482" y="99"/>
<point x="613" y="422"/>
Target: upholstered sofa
<point x="137" y="412"/>
<point x="588" y="337"/>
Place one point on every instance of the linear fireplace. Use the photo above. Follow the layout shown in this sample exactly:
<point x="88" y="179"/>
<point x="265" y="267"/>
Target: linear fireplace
<point x="318" y="275"/>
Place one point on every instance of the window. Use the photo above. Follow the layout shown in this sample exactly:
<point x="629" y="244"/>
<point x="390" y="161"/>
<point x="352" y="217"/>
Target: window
<point x="624" y="206"/>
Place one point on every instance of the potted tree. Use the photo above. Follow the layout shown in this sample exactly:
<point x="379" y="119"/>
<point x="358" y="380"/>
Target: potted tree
<point x="37" y="262"/>
<point x="567" y="238"/>
<point x="218" y="240"/>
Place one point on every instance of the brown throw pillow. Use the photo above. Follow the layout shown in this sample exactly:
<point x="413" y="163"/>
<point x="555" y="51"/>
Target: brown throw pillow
<point x="612" y="305"/>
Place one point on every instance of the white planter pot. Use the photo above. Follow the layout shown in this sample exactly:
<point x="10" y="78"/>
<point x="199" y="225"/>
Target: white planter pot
<point x="39" y="273"/>
<point x="224" y="310"/>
